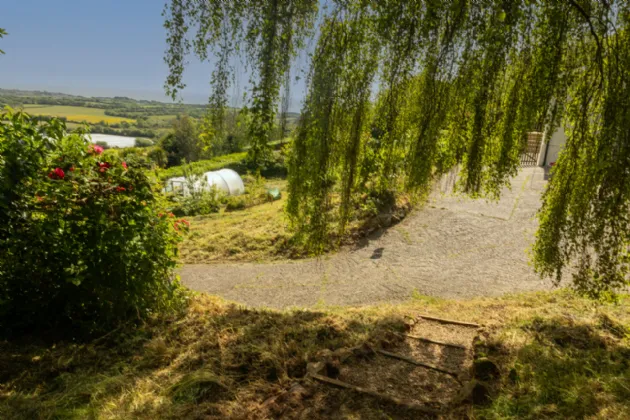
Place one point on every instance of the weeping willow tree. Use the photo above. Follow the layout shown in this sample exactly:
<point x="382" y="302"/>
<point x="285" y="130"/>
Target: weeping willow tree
<point x="264" y="35"/>
<point x="400" y="92"/>
<point x="2" y="33"/>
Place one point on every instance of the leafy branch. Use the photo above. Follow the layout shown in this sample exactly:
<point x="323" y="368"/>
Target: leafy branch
<point x="3" y="33"/>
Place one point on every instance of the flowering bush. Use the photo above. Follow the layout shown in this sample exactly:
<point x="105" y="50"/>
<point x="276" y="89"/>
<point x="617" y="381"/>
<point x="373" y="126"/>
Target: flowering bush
<point x="82" y="243"/>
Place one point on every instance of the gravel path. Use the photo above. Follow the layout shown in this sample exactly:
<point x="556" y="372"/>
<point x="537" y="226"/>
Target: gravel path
<point x="454" y="247"/>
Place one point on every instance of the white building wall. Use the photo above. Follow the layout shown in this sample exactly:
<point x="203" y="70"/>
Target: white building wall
<point x="556" y="145"/>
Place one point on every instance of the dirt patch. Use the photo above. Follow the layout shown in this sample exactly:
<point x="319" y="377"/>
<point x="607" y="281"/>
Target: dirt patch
<point x="454" y="247"/>
<point x="408" y="374"/>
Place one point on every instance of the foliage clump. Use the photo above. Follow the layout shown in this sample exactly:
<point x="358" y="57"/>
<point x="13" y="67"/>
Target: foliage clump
<point x="195" y="196"/>
<point x="82" y="240"/>
<point x="2" y="34"/>
<point x="183" y="142"/>
<point x="141" y="142"/>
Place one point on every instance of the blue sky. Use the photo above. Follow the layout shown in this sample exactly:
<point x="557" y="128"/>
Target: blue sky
<point x="93" y="48"/>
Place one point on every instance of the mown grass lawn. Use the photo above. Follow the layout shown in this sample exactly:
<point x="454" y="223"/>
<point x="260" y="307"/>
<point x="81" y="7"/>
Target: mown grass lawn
<point x="560" y="356"/>
<point x="253" y="234"/>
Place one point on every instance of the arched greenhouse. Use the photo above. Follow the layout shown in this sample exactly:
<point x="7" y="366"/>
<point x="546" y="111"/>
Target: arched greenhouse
<point x="225" y="180"/>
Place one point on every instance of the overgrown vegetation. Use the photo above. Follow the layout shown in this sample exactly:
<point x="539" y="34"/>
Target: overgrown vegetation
<point x="562" y="366"/>
<point x="82" y="244"/>
<point x="559" y="356"/>
<point x="86" y="245"/>
<point x="195" y="196"/>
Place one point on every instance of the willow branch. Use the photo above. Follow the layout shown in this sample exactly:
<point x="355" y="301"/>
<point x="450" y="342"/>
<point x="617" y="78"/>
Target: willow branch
<point x="600" y="49"/>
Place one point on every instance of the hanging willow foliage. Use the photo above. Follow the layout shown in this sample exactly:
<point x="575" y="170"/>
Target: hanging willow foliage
<point x="266" y="34"/>
<point x="2" y="33"/>
<point x="400" y="92"/>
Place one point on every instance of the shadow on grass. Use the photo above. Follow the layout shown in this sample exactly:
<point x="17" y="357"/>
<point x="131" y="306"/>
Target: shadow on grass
<point x="565" y="369"/>
<point x="216" y="361"/>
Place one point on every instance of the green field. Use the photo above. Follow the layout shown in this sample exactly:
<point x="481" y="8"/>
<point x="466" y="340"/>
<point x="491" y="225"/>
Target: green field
<point x="77" y="114"/>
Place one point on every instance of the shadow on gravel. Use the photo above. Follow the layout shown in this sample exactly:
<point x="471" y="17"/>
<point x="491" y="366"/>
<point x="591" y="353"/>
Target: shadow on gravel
<point x="377" y="254"/>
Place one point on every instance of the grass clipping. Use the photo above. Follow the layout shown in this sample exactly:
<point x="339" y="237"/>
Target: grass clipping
<point x="559" y="357"/>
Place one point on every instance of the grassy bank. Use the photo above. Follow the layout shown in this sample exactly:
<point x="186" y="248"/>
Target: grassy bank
<point x="261" y="233"/>
<point x="559" y="357"/>
<point x="236" y="161"/>
<point x="253" y="234"/>
<point x="213" y="164"/>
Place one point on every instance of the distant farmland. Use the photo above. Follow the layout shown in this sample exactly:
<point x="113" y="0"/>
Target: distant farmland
<point x="76" y="114"/>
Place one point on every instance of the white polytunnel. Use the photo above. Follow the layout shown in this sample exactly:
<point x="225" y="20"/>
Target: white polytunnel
<point x="225" y="180"/>
<point x="232" y="179"/>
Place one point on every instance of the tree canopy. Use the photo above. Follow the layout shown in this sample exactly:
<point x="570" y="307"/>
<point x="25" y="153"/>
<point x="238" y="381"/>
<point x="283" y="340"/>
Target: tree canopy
<point x="400" y="92"/>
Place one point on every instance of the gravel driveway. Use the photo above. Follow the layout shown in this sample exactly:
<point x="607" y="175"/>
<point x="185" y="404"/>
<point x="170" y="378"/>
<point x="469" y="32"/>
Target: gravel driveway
<point x="454" y="247"/>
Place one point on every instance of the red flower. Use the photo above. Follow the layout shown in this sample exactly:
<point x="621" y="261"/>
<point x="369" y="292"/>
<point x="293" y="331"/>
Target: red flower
<point x="58" y="173"/>
<point x="95" y="149"/>
<point x="171" y="215"/>
<point x="71" y="169"/>
<point x="104" y="166"/>
<point x="160" y="215"/>
<point x="119" y="188"/>
<point x="124" y="165"/>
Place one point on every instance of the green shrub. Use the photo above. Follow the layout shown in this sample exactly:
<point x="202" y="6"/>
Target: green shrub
<point x="137" y="157"/>
<point x="157" y="155"/>
<point x="204" y="203"/>
<point x="82" y="240"/>
<point x="238" y="202"/>
<point x="182" y="142"/>
<point x="140" y="142"/>
<point x="102" y="144"/>
<point x="197" y="197"/>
